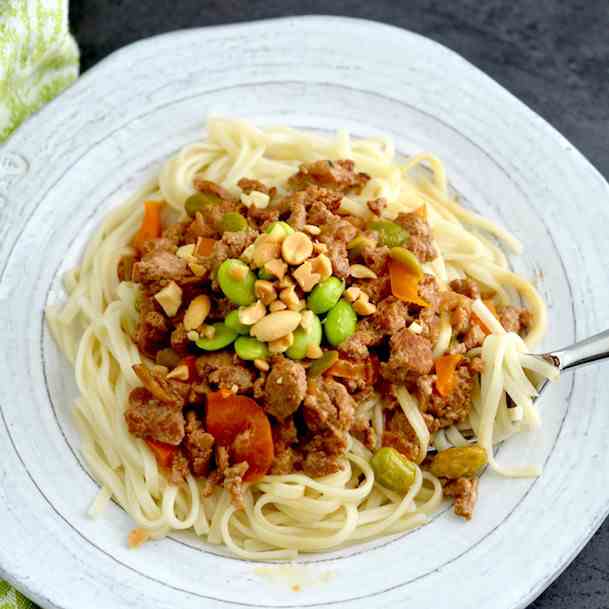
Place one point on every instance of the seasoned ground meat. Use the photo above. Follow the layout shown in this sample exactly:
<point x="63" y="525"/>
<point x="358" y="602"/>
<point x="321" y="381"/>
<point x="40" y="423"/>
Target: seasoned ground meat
<point x="317" y="463"/>
<point x="376" y="258"/>
<point x="460" y="320"/>
<point x="175" y="232"/>
<point x="377" y="289"/>
<point x="231" y="245"/>
<point x="514" y="319"/>
<point x="376" y="206"/>
<point x="474" y="337"/>
<point x="157" y="268"/>
<point x="335" y="175"/>
<point x="149" y="418"/>
<point x="356" y="346"/>
<point x="430" y="291"/>
<point x="162" y="243"/>
<point x="420" y="238"/>
<point x="152" y="329"/>
<point x="285" y="461"/>
<point x="400" y="435"/>
<point x="298" y="217"/>
<point x="248" y="185"/>
<point x="465" y="493"/>
<point x="169" y="391"/>
<point x="261" y="218"/>
<point x="467" y="287"/>
<point x="233" y="482"/>
<point x="198" y="445"/>
<point x="179" y="468"/>
<point x="335" y="235"/>
<point x="327" y="405"/>
<point x="285" y="387"/>
<point x="411" y="356"/>
<point x="179" y="340"/>
<point x="391" y="316"/>
<point x="454" y="407"/>
<point x="223" y="370"/>
<point x="124" y="268"/>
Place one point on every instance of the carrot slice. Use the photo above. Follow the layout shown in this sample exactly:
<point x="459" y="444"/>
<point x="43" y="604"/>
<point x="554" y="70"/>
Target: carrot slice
<point x="445" y="371"/>
<point x="162" y="451"/>
<point x="346" y="369"/>
<point x="151" y="224"/>
<point x="228" y="416"/>
<point x="205" y="246"/>
<point x="405" y="284"/>
<point x="421" y="212"/>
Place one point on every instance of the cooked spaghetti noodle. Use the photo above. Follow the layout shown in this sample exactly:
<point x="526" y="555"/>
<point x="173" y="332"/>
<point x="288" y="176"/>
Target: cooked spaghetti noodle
<point x="286" y="514"/>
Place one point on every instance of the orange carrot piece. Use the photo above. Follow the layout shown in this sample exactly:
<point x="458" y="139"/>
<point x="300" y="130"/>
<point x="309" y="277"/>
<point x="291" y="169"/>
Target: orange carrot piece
<point x="405" y="284"/>
<point x="151" y="224"/>
<point x="163" y="452"/>
<point x="346" y="369"/>
<point x="205" y="246"/>
<point x="227" y="416"/>
<point x="421" y="212"/>
<point x="445" y="371"/>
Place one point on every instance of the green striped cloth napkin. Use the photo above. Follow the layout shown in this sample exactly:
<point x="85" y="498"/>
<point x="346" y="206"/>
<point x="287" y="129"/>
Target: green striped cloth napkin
<point x="38" y="60"/>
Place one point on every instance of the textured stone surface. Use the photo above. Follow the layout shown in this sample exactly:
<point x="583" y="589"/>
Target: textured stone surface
<point x="552" y="54"/>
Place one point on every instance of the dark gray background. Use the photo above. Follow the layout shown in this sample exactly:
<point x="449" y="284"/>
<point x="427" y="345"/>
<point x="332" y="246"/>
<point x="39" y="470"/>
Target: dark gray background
<point x="552" y="54"/>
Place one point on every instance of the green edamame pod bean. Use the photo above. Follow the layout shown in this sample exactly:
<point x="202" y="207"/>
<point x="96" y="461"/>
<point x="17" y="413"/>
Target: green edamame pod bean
<point x="280" y="228"/>
<point x="223" y="336"/>
<point x="237" y="282"/>
<point x="325" y="295"/>
<point x="325" y="362"/>
<point x="233" y="222"/>
<point x="390" y="233"/>
<point x="357" y="244"/>
<point x="302" y="339"/>
<point x="199" y="201"/>
<point x="408" y="259"/>
<point x="393" y="470"/>
<point x="340" y="323"/>
<point x="232" y="321"/>
<point x="249" y="348"/>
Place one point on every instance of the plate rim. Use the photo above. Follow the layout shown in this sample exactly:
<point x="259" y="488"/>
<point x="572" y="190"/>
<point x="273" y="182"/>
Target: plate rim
<point x="26" y="584"/>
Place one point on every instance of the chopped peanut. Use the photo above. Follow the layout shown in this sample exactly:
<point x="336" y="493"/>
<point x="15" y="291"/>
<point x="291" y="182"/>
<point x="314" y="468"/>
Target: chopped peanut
<point x="289" y="296"/>
<point x="265" y="291"/>
<point x="363" y="306"/>
<point x="170" y="298"/>
<point x="197" y="269"/>
<point x="193" y="335"/>
<point x="277" y="305"/>
<point x="306" y="278"/>
<point x="296" y="248"/>
<point x="255" y="198"/>
<point x="311" y="229"/>
<point x="359" y="271"/>
<point x="266" y="249"/>
<point x="181" y="373"/>
<point x="352" y="293"/>
<point x="281" y="344"/>
<point x="197" y="311"/>
<point x="314" y="351"/>
<point x="322" y="265"/>
<point x="276" y="267"/>
<point x="186" y="252"/>
<point x="262" y="365"/>
<point x="252" y="314"/>
<point x="307" y="321"/>
<point x="320" y="248"/>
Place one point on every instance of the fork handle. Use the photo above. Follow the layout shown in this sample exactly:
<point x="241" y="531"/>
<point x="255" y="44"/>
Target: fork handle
<point x="587" y="351"/>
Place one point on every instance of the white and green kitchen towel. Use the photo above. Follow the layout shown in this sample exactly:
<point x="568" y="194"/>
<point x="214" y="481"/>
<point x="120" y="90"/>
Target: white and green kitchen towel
<point x="38" y="60"/>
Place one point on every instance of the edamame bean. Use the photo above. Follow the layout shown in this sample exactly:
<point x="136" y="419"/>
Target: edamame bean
<point x="279" y="228"/>
<point x="408" y="259"/>
<point x="393" y="470"/>
<point x="232" y="321"/>
<point x="249" y="348"/>
<point x="390" y="233"/>
<point x="340" y="323"/>
<point x="237" y="282"/>
<point x="302" y="339"/>
<point x="459" y="461"/>
<point x="199" y="201"/>
<point x="325" y="362"/>
<point x="223" y="336"/>
<point x="325" y="295"/>
<point x="233" y="222"/>
<point x="356" y="245"/>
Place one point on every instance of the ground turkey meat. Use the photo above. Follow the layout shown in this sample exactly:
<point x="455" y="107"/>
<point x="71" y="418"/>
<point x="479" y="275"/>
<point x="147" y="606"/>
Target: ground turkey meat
<point x="335" y="235"/>
<point x="465" y="493"/>
<point x="328" y="406"/>
<point x="514" y="319"/>
<point x="411" y="356"/>
<point x="179" y="340"/>
<point x="149" y="418"/>
<point x="198" y="445"/>
<point x="233" y="482"/>
<point x="152" y="329"/>
<point x="231" y="245"/>
<point x="247" y="185"/>
<point x="223" y="370"/>
<point x="467" y="287"/>
<point x="420" y="238"/>
<point x="285" y="387"/>
<point x="335" y="175"/>
<point x="157" y="268"/>
<point x="446" y="410"/>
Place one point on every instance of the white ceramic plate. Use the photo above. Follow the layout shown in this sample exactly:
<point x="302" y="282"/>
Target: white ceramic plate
<point x="86" y="151"/>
